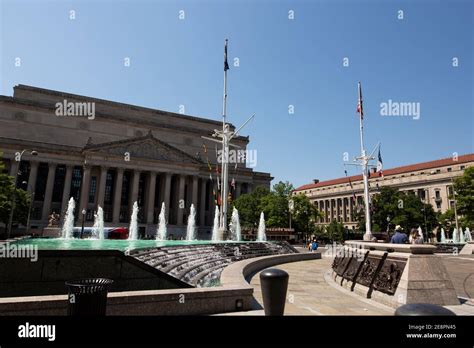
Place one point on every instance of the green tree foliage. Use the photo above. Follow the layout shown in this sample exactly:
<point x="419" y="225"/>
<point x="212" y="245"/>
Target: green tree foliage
<point x="304" y="214"/>
<point x="7" y="192"/>
<point x="335" y="231"/>
<point x="446" y="220"/>
<point x="250" y="205"/>
<point x="464" y="190"/>
<point x="404" y="209"/>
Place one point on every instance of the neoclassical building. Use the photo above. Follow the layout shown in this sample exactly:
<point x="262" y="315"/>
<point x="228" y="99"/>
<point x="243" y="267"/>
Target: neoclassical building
<point x="431" y="181"/>
<point x="121" y="154"/>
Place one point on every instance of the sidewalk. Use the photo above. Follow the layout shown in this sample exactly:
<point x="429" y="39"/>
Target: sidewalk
<point x="310" y="294"/>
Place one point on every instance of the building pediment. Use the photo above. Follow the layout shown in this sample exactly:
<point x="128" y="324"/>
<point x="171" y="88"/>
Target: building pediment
<point x="147" y="147"/>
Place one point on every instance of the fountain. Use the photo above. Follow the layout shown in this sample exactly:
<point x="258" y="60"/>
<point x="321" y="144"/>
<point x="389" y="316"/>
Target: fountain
<point x="261" y="236"/>
<point x="133" y="231"/>
<point x="234" y="226"/>
<point x="161" y="231"/>
<point x="455" y="236"/>
<point x="69" y="220"/>
<point x="191" y="229"/>
<point x="98" y="227"/>
<point x="215" y="227"/>
<point x="467" y="235"/>
<point x="420" y="231"/>
<point x="443" y="236"/>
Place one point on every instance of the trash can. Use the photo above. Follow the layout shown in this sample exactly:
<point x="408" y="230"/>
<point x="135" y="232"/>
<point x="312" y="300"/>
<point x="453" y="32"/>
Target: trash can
<point x="88" y="297"/>
<point x="419" y="309"/>
<point x="274" y="283"/>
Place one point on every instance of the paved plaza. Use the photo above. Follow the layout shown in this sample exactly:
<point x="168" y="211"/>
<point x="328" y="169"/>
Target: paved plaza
<point x="312" y="292"/>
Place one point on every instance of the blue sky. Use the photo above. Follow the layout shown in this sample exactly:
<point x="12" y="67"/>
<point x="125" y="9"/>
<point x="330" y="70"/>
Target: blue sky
<point x="283" y="62"/>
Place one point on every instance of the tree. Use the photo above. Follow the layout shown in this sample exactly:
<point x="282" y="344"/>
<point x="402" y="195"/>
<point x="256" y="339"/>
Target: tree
<point x="464" y="191"/>
<point x="335" y="231"/>
<point x="404" y="209"/>
<point x="304" y="214"/>
<point x="249" y="206"/>
<point x="275" y="205"/>
<point x="447" y="219"/>
<point x="7" y="193"/>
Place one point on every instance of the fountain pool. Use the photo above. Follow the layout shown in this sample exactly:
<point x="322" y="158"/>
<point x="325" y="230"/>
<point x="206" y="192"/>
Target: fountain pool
<point x="104" y="244"/>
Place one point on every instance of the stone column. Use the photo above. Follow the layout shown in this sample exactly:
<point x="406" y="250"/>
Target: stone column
<point x="151" y="198"/>
<point x="194" y="198"/>
<point x="85" y="188"/>
<point x="32" y="177"/>
<point x="166" y="193"/>
<point x="202" y="204"/>
<point x="48" y="195"/>
<point x="14" y="165"/>
<point x="102" y="183"/>
<point x="182" y="179"/>
<point x="66" y="189"/>
<point x="117" y="196"/>
<point x="344" y="209"/>
<point x="134" y="192"/>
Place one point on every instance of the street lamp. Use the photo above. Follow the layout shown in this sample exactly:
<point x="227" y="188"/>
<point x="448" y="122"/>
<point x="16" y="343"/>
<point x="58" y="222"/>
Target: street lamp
<point x="32" y="197"/>
<point x="83" y="218"/>
<point x="10" y="219"/>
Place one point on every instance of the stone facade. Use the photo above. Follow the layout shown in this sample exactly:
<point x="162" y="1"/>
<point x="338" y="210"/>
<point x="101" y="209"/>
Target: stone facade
<point x="431" y="181"/>
<point x="122" y="154"/>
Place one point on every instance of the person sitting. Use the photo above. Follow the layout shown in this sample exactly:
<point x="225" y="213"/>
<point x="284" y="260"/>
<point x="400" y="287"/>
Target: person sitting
<point x="399" y="237"/>
<point x="413" y="235"/>
<point x="418" y="239"/>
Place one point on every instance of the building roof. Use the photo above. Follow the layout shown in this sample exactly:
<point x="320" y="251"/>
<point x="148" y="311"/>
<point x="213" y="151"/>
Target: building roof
<point x="394" y="171"/>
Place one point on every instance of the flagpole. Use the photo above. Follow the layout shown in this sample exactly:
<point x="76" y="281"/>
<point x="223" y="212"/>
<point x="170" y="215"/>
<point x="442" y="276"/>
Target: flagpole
<point x="365" y="167"/>
<point x="224" y="168"/>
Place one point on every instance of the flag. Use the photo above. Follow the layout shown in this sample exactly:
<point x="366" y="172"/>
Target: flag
<point x="232" y="183"/>
<point x="352" y="189"/>
<point x="380" y="164"/>
<point x="226" y="65"/>
<point x="360" y="109"/>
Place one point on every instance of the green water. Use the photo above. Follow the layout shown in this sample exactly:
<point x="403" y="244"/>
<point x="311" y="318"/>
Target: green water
<point x="105" y="244"/>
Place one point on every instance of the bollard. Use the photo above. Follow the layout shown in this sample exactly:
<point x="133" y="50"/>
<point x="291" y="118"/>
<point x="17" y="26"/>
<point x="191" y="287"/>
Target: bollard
<point x="88" y="297"/>
<point x="274" y="283"/>
<point x="419" y="309"/>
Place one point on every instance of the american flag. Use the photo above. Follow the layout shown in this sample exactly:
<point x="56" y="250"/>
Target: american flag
<point x="226" y="65"/>
<point x="360" y="109"/>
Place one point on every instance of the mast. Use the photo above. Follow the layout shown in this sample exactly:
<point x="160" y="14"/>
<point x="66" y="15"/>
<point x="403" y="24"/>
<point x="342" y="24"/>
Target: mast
<point x="225" y="151"/>
<point x="364" y="162"/>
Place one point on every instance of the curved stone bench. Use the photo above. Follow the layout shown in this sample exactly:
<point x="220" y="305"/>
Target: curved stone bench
<point x="236" y="274"/>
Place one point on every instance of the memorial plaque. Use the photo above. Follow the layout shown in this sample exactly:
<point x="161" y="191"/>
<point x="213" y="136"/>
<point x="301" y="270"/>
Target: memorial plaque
<point x="368" y="270"/>
<point x="388" y="277"/>
<point x="354" y="266"/>
<point x="341" y="267"/>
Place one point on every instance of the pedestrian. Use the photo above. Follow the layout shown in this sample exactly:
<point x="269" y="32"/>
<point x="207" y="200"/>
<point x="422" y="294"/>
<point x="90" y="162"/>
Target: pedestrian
<point x="399" y="237"/>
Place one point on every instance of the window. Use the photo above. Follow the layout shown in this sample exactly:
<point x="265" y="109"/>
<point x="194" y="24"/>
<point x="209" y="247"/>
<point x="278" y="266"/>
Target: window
<point x="76" y="183"/>
<point x="438" y="205"/>
<point x="450" y="169"/>
<point x="438" y="171"/>
<point x="92" y="189"/>
<point x="108" y="189"/>
<point x="462" y="167"/>
<point x="450" y="190"/>
<point x="437" y="195"/>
